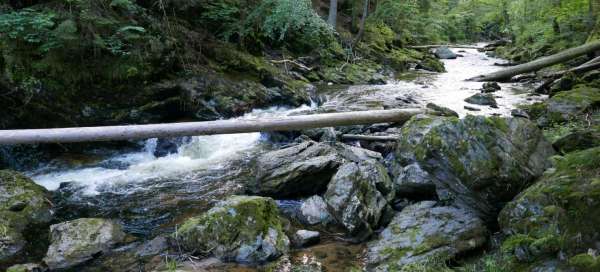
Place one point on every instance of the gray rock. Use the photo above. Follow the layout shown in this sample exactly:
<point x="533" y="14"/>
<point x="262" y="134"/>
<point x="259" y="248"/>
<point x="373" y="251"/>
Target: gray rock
<point x="242" y="229"/>
<point x="304" y="238"/>
<point x="359" y="195"/>
<point x="490" y="87"/>
<point x="482" y="99"/>
<point x="577" y="140"/>
<point x="441" y="111"/>
<point x="153" y="247"/>
<point x="569" y="104"/>
<point x="422" y="232"/>
<point x="519" y="113"/>
<point x="75" y="242"/>
<point x="313" y="211"/>
<point x="300" y="170"/>
<point x="469" y="108"/>
<point x="23" y="206"/>
<point x="476" y="162"/>
<point x="444" y="53"/>
<point x="414" y="182"/>
<point x="28" y="267"/>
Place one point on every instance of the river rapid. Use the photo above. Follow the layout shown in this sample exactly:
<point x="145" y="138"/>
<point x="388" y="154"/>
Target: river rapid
<point x="150" y="194"/>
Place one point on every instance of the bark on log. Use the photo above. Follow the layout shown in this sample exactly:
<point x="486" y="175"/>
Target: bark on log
<point x="539" y="63"/>
<point x="136" y="132"/>
<point x="430" y="46"/>
<point x="373" y="138"/>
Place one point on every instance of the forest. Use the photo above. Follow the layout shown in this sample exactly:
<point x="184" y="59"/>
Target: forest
<point x="300" y="135"/>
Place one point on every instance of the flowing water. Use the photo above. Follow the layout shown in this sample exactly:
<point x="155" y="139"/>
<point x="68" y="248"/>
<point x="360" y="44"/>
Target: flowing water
<point x="150" y="194"/>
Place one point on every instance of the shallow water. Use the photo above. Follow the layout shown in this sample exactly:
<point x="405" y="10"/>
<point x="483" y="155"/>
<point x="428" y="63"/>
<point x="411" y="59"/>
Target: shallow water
<point x="150" y="194"/>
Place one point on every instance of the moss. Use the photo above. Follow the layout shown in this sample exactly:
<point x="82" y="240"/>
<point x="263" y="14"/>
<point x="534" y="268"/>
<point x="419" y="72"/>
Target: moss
<point x="585" y="262"/>
<point x="515" y="241"/>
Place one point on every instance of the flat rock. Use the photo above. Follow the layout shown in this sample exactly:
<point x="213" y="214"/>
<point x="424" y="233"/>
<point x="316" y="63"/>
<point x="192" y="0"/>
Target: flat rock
<point x="304" y="238"/>
<point x="482" y="99"/>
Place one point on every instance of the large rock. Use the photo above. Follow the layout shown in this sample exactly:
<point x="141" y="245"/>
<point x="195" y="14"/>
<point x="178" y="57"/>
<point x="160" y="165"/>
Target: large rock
<point x="243" y="229"/>
<point x="444" y="53"/>
<point x="313" y="211"/>
<point x="359" y="197"/>
<point x="477" y="162"/>
<point x="485" y="99"/>
<point x="578" y="140"/>
<point x="414" y="182"/>
<point x="75" y="242"/>
<point x="300" y="170"/>
<point x="559" y="213"/>
<point x="423" y="232"/>
<point x="569" y="104"/>
<point x="23" y="206"/>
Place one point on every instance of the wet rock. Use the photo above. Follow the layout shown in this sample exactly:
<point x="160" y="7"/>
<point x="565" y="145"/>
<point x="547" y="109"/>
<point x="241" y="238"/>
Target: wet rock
<point x="153" y="247"/>
<point x="166" y="146"/>
<point x="414" y="182"/>
<point x="313" y="211"/>
<point x="300" y="170"/>
<point x="358" y="197"/>
<point x="441" y="111"/>
<point x="24" y="206"/>
<point x="29" y="267"/>
<point x="577" y="140"/>
<point x="377" y="79"/>
<point x="482" y="99"/>
<point x="469" y="108"/>
<point x="444" y="53"/>
<point x="423" y="232"/>
<point x="490" y="87"/>
<point x="476" y="162"/>
<point x="304" y="238"/>
<point x="519" y="113"/>
<point x="75" y="242"/>
<point x="242" y="229"/>
<point x="565" y="83"/>
<point x="560" y="213"/>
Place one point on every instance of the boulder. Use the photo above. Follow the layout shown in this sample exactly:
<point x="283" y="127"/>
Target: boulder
<point x="444" y="53"/>
<point x="304" y="238"/>
<point x="422" y="233"/>
<point x="482" y="99"/>
<point x="300" y="170"/>
<point x="519" y="113"/>
<point x="568" y="105"/>
<point x="578" y="140"/>
<point x="28" y="267"/>
<point x="313" y="211"/>
<point x="359" y="197"/>
<point x="242" y="229"/>
<point x="476" y="162"/>
<point x="490" y="87"/>
<point x="24" y="206"/>
<point x="559" y="214"/>
<point x="414" y="182"/>
<point x="75" y="242"/>
<point x="166" y="146"/>
<point x="441" y="111"/>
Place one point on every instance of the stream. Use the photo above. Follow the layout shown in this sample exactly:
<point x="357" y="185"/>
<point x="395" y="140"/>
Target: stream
<point x="150" y="194"/>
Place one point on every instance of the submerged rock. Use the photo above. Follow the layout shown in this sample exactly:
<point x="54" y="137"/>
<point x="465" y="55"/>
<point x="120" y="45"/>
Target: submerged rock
<point x="423" y="232"/>
<point x="482" y="99"/>
<point x="300" y="170"/>
<point x="242" y="229"/>
<point x="559" y="213"/>
<point x="75" y="242"/>
<point x="444" y="53"/>
<point x="23" y="207"/>
<point x="359" y="197"/>
<point x="477" y="162"/>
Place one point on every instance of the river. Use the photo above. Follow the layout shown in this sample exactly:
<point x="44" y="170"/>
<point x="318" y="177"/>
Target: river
<point x="152" y="194"/>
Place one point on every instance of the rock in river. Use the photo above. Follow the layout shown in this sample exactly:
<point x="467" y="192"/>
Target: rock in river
<point x="444" y="53"/>
<point x="422" y="232"/>
<point x="482" y="99"/>
<point x="23" y="206"/>
<point x="359" y="197"/>
<point x="75" y="242"/>
<point x="302" y="169"/>
<point x="477" y="162"/>
<point x="243" y="229"/>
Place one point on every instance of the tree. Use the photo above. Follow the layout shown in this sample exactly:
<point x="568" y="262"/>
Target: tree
<point x="363" y="21"/>
<point x="332" y="13"/>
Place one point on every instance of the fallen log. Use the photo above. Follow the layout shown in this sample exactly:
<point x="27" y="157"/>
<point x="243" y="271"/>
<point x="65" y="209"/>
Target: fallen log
<point x="137" y="132"/>
<point x="539" y="63"/>
<point x="551" y="78"/>
<point x="372" y="138"/>
<point x="430" y="46"/>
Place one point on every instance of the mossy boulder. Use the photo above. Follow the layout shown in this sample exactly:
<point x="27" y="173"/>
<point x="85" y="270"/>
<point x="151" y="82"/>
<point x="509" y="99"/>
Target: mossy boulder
<point x="578" y="140"/>
<point x="24" y="206"/>
<point x="477" y="162"/>
<point x="77" y="241"/>
<point x="359" y="196"/>
<point x="424" y="232"/>
<point x="567" y="105"/>
<point x="242" y="229"/>
<point x="559" y="213"/>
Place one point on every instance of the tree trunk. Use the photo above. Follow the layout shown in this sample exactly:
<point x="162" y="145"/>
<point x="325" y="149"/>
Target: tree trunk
<point x="370" y="138"/>
<point x="429" y="46"/>
<point x="539" y="63"/>
<point x="136" y="132"/>
<point x="363" y="21"/>
<point x="332" y="20"/>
